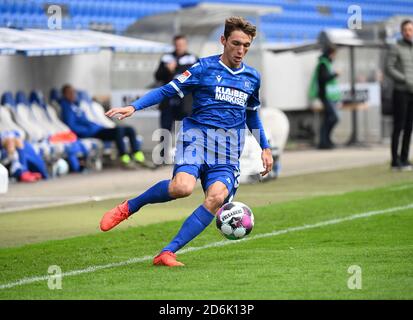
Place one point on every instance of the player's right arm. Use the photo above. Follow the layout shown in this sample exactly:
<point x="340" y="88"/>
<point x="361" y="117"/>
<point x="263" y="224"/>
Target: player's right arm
<point x="153" y="97"/>
<point x="183" y="84"/>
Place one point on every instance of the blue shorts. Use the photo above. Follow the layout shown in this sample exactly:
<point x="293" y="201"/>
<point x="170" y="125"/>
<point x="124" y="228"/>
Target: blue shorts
<point x="209" y="174"/>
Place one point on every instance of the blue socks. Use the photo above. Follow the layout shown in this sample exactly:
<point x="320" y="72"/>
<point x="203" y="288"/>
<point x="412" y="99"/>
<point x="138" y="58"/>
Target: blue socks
<point x="193" y="226"/>
<point x="156" y="194"/>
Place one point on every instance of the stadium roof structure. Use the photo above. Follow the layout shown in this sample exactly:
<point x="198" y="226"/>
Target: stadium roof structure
<point x="200" y="20"/>
<point x="338" y="37"/>
<point x="42" y="42"/>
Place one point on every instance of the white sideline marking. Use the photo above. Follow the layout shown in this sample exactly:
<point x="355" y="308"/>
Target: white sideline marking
<point x="90" y="269"/>
<point x="404" y="187"/>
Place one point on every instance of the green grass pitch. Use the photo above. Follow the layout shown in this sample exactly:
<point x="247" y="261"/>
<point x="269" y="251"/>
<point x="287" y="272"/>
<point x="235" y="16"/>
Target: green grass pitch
<point x="305" y="263"/>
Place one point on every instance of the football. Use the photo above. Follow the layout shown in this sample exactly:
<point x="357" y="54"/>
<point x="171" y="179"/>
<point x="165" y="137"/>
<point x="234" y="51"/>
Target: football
<point x="235" y="220"/>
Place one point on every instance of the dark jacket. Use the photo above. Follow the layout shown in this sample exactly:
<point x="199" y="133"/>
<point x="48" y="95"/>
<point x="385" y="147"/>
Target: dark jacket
<point x="323" y="77"/>
<point x="182" y="107"/>
<point x="400" y="65"/>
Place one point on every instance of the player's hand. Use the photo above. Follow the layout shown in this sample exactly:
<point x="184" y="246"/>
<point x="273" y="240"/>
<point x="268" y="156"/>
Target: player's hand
<point x="267" y="161"/>
<point x="171" y="66"/>
<point x="122" y="112"/>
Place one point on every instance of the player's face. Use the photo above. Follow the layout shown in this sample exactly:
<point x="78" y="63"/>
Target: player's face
<point x="407" y="31"/>
<point x="236" y="47"/>
<point x="70" y="94"/>
<point x="181" y="46"/>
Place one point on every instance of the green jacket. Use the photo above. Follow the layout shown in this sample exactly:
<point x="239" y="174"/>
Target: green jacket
<point x="333" y="92"/>
<point x="399" y="65"/>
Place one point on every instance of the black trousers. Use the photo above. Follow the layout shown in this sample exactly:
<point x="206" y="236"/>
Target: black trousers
<point x="402" y="122"/>
<point x="117" y="134"/>
<point x="173" y="110"/>
<point x="330" y="119"/>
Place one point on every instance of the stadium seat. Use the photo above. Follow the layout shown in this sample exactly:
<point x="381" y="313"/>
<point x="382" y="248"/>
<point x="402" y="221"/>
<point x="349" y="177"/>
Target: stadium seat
<point x="8" y="116"/>
<point x="24" y="118"/>
<point x="40" y="113"/>
<point x="90" y="149"/>
<point x="7" y="122"/>
<point x="54" y="96"/>
<point x="94" y="111"/>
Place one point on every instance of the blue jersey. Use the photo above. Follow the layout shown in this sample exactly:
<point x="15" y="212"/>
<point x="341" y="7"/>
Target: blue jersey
<point x="224" y="102"/>
<point x="221" y="95"/>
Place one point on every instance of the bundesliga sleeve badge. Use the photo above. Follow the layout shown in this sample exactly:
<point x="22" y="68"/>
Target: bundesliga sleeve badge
<point x="184" y="76"/>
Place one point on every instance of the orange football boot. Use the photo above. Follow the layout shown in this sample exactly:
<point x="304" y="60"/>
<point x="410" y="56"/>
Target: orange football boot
<point x="168" y="259"/>
<point x="114" y="216"/>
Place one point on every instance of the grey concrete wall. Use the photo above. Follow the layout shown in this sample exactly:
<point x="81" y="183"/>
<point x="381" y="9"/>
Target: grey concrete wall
<point x="89" y="72"/>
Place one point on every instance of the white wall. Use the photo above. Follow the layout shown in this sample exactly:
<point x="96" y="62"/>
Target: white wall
<point x="89" y="72"/>
<point x="286" y="79"/>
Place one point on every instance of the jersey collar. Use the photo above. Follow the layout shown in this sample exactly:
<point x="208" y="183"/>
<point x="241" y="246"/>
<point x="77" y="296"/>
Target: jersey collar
<point x="230" y="70"/>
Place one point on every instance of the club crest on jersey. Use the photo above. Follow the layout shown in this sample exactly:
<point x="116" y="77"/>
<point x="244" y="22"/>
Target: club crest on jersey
<point x="231" y="95"/>
<point x="184" y="76"/>
<point x="247" y="84"/>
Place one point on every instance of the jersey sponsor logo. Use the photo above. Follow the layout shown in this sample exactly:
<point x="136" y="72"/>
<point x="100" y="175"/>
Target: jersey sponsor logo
<point x="230" y="95"/>
<point x="219" y="78"/>
<point x="184" y="76"/>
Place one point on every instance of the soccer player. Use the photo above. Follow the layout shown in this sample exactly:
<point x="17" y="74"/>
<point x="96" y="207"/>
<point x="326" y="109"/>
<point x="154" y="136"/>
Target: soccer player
<point x="225" y="93"/>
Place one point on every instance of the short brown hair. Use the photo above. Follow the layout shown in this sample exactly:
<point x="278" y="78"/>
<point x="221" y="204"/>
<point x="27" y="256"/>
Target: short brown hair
<point x="404" y="23"/>
<point x="239" y="23"/>
<point x="65" y="88"/>
<point x="179" y="37"/>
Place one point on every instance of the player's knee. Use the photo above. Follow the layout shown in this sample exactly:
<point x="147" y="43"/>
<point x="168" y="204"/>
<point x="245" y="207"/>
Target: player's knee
<point x="214" y="201"/>
<point x="178" y="190"/>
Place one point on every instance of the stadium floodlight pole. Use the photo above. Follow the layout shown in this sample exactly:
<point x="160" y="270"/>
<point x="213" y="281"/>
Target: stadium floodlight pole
<point x="260" y="44"/>
<point x="177" y="25"/>
<point x="354" y="113"/>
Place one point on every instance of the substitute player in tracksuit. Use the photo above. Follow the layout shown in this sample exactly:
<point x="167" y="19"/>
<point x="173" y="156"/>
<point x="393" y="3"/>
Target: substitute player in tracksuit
<point x="226" y="96"/>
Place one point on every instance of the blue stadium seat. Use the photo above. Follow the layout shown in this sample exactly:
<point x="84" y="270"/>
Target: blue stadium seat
<point x="7" y="98"/>
<point x="122" y="13"/>
<point x="21" y="98"/>
<point x="34" y="97"/>
<point x="54" y="95"/>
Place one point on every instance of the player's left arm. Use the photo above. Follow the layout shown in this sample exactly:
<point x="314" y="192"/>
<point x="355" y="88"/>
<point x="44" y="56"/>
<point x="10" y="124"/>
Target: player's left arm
<point x="254" y="124"/>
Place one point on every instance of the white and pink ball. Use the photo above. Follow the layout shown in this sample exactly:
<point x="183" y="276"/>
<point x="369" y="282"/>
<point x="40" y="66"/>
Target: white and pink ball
<point x="235" y="220"/>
